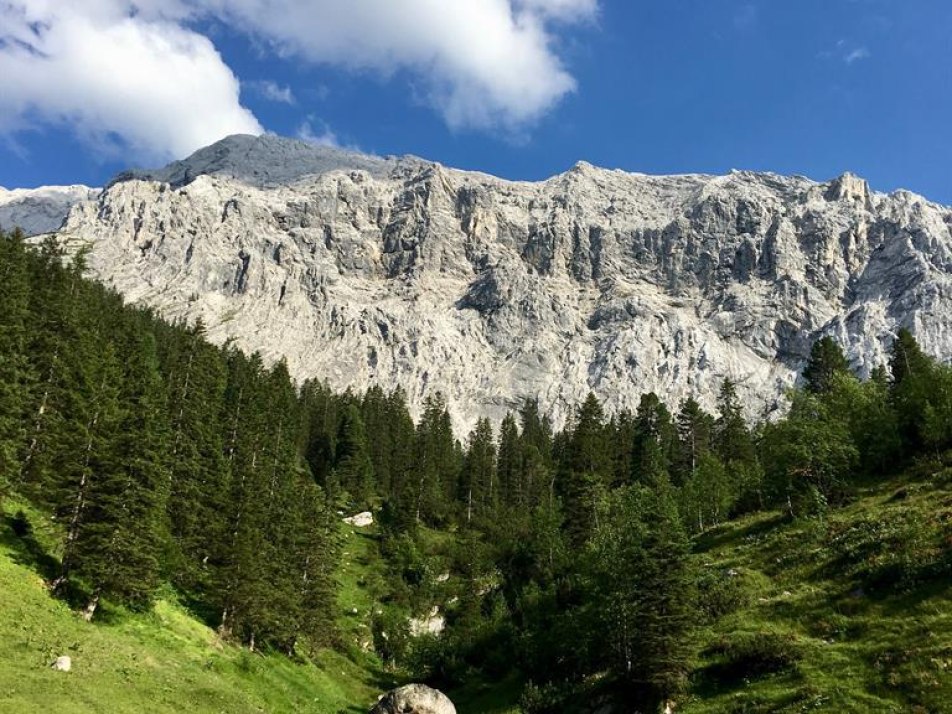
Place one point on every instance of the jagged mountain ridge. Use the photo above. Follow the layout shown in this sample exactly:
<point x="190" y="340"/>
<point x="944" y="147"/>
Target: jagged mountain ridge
<point x="361" y="270"/>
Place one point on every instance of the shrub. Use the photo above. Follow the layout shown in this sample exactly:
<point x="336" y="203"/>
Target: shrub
<point x="721" y="593"/>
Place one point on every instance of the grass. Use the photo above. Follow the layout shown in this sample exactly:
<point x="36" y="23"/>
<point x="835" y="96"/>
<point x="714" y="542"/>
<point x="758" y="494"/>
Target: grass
<point x="161" y="661"/>
<point x="849" y="613"/>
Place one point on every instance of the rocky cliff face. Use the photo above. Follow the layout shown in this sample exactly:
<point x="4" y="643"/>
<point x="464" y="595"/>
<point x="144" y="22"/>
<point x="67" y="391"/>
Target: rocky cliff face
<point x="40" y="210"/>
<point x="362" y="270"/>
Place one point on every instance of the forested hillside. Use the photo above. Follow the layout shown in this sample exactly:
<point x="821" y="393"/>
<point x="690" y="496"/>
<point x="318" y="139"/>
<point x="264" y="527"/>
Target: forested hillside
<point x="631" y="557"/>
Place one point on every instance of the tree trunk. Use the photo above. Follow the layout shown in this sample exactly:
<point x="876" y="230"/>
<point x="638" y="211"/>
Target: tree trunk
<point x="90" y="609"/>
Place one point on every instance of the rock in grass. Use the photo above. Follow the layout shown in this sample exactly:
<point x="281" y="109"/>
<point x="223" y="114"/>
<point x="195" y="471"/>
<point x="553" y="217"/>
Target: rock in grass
<point x="62" y="664"/>
<point x="414" y="699"/>
<point x="361" y="520"/>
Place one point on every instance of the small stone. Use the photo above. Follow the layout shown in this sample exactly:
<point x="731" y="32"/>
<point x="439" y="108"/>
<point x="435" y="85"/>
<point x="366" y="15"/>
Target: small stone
<point x="62" y="664"/>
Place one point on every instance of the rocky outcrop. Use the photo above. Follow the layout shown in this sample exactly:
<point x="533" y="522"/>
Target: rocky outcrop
<point x="40" y="210"/>
<point x="399" y="272"/>
<point x="414" y="699"/>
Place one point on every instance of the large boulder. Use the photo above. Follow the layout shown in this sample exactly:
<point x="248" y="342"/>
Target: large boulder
<point x="414" y="699"/>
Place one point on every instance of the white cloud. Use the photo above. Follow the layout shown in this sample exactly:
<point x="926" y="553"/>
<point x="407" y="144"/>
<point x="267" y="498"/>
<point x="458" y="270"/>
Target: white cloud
<point x="125" y="76"/>
<point x="137" y="76"/>
<point x="272" y="91"/>
<point x="324" y="137"/>
<point x="860" y="53"/>
<point x="565" y="10"/>
<point x="480" y="63"/>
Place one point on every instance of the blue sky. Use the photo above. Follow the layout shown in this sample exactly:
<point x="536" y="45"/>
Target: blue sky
<point x="518" y="88"/>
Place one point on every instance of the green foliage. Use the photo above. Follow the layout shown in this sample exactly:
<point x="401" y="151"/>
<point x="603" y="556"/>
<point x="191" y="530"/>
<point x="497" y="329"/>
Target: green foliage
<point x="827" y="362"/>
<point x="809" y="452"/>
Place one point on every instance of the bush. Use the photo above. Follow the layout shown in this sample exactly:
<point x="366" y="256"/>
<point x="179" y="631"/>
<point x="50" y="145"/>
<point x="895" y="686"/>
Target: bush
<point x="545" y="699"/>
<point x="721" y="592"/>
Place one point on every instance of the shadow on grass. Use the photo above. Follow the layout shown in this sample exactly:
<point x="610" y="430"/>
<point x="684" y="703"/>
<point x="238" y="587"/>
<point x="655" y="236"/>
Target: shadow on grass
<point x="17" y="535"/>
<point x="726" y="534"/>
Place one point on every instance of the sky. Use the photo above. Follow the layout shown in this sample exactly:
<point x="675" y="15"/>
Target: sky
<point x="518" y="88"/>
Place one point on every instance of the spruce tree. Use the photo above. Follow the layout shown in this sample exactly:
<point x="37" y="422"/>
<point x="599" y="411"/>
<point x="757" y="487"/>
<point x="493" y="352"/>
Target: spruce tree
<point x="15" y="369"/>
<point x="115" y="532"/>
<point x="354" y="468"/>
<point x="198" y="497"/>
<point x="732" y="439"/>
<point x="655" y="440"/>
<point x="479" y="487"/>
<point x="585" y="470"/>
<point x="511" y="491"/>
<point x="695" y="435"/>
<point x="825" y="363"/>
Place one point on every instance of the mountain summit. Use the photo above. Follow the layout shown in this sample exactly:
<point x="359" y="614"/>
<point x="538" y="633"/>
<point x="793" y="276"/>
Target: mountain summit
<point x="362" y="270"/>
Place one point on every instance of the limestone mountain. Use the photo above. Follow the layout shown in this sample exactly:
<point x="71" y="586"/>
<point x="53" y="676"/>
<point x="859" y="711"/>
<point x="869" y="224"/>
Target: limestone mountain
<point x="401" y="272"/>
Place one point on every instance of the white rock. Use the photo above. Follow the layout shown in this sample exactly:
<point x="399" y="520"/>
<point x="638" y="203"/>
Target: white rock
<point x="62" y="664"/>
<point x="414" y="699"/>
<point x="360" y="520"/>
<point x="398" y="272"/>
<point x="433" y="624"/>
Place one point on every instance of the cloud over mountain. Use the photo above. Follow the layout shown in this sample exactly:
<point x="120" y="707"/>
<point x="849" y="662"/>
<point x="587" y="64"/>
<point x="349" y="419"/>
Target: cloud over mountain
<point x="142" y="76"/>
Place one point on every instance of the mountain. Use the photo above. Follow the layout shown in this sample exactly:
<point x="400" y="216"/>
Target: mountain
<point x="401" y="272"/>
<point x="40" y="210"/>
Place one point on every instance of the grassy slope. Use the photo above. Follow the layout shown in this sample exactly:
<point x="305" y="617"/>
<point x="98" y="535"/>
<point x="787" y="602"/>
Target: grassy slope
<point x="862" y="599"/>
<point x="162" y="661"/>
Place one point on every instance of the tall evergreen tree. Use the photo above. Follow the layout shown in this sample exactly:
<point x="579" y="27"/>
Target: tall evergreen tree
<point x="15" y="370"/>
<point x="511" y="490"/>
<point x="825" y="363"/>
<point x="585" y="470"/>
<point x="354" y="468"/>
<point x="655" y="440"/>
<point x="479" y="488"/>
<point x="732" y="439"/>
<point x="695" y="435"/>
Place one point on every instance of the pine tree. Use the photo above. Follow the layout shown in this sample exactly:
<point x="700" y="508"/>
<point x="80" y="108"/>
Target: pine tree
<point x="15" y="369"/>
<point x="825" y="363"/>
<point x="585" y="470"/>
<point x="695" y="435"/>
<point x="479" y="487"/>
<point x="655" y="440"/>
<point x="354" y="468"/>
